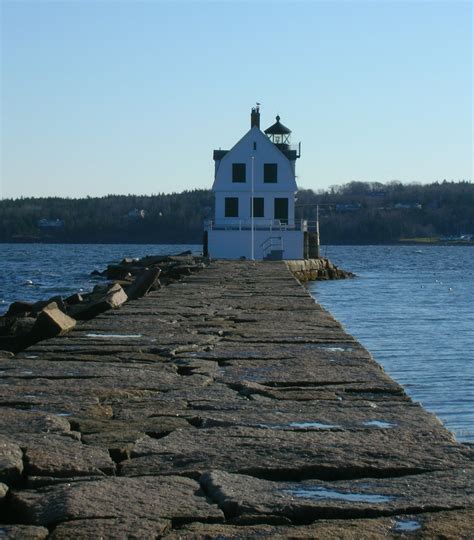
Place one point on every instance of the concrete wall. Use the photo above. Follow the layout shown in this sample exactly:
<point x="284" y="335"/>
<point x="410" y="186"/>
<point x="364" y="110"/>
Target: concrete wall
<point x="237" y="244"/>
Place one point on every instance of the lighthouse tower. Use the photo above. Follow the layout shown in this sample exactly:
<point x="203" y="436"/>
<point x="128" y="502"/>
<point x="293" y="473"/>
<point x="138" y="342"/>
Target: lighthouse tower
<point x="254" y="190"/>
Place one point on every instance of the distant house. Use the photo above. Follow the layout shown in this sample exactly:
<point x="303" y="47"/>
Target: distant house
<point x="351" y="207"/>
<point x="254" y="190"/>
<point x="50" y="223"/>
<point x="135" y="215"/>
<point x="408" y="206"/>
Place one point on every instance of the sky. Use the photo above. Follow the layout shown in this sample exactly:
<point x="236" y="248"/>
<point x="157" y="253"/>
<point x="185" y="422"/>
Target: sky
<point x="117" y="97"/>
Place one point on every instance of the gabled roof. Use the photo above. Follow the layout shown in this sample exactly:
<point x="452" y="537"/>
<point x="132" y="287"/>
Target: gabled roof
<point x="277" y="128"/>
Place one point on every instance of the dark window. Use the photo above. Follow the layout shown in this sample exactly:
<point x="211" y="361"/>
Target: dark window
<point x="254" y="145"/>
<point x="281" y="209"/>
<point x="238" y="172"/>
<point x="258" y="207"/>
<point x="270" y="172"/>
<point x="231" y="207"/>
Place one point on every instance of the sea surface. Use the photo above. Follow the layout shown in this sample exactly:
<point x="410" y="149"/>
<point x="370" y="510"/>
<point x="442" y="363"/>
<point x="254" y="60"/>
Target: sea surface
<point x="411" y="306"/>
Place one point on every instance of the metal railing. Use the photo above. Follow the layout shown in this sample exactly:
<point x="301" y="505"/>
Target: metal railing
<point x="259" y="224"/>
<point x="271" y="244"/>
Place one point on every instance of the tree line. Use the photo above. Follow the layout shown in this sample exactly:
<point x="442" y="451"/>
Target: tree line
<point x="353" y="213"/>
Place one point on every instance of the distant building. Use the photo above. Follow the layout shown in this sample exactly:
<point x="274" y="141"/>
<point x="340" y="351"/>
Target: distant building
<point x="50" y="223"/>
<point x="136" y="215"/>
<point x="408" y="206"/>
<point x="254" y="190"/>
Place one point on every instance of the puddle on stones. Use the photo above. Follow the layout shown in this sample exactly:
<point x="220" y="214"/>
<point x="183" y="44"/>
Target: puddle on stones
<point x="114" y="336"/>
<point x="331" y="348"/>
<point x="300" y="425"/>
<point x="379" y="424"/>
<point x="406" y="525"/>
<point x="319" y="493"/>
<point x="312" y="425"/>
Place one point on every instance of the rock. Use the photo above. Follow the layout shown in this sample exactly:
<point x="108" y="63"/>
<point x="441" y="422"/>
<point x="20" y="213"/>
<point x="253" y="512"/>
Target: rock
<point x="117" y="271"/>
<point x="3" y="492"/>
<point x="113" y="297"/>
<point x="74" y="299"/>
<point x="22" y="326"/>
<point x="39" y="306"/>
<point x="121" y="528"/>
<point x="164" y="497"/>
<point x="304" y="502"/>
<point x="11" y="461"/>
<point x="452" y="524"/>
<point x="6" y="354"/>
<point x="61" y="457"/>
<point x="52" y="322"/>
<point x="15" y="421"/>
<point x="145" y="282"/>
<point x="23" y="532"/>
<point x="280" y="454"/>
<point x="19" y="309"/>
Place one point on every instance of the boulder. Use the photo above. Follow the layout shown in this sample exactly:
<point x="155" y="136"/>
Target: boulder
<point x="39" y="306"/>
<point x="19" y="309"/>
<point x="117" y="271"/>
<point x="21" y="532"/>
<point x="52" y="322"/>
<point x="112" y="297"/>
<point x="121" y="528"/>
<point x="74" y="299"/>
<point x="165" y="497"/>
<point x="147" y="281"/>
<point x="11" y="461"/>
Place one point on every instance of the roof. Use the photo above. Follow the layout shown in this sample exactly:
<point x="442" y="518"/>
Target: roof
<point x="277" y="128"/>
<point x="219" y="154"/>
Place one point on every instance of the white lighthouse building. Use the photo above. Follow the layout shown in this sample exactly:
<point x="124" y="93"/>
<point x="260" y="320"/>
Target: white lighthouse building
<point x="255" y="189"/>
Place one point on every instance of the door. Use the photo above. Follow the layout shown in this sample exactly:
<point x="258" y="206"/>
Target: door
<point x="281" y="209"/>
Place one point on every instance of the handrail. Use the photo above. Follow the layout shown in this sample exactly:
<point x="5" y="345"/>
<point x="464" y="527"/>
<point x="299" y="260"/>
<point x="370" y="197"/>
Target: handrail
<point x="270" y="244"/>
<point x="259" y="224"/>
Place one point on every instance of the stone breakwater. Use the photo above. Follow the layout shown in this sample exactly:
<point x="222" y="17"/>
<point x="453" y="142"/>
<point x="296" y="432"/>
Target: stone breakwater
<point x="25" y="323"/>
<point x="227" y="405"/>
<point x="316" y="269"/>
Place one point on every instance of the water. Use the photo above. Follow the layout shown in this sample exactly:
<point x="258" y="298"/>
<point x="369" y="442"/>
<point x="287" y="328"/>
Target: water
<point x="413" y="308"/>
<point x="319" y="493"/>
<point x="32" y="272"/>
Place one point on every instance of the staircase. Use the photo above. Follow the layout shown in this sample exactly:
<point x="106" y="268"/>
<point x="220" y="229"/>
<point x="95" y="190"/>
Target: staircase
<point x="272" y="248"/>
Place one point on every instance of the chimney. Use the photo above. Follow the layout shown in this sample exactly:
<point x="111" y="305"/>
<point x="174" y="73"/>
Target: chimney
<point x="255" y="116"/>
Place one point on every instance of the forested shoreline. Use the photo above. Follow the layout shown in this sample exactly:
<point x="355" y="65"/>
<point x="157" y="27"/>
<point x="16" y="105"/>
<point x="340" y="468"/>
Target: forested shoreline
<point x="354" y="213"/>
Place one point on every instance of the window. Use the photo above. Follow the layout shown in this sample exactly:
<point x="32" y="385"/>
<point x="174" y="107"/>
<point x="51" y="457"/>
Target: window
<point x="258" y="207"/>
<point x="270" y="173"/>
<point x="254" y="145"/>
<point x="231" y="207"/>
<point x="281" y="209"/>
<point x="238" y="172"/>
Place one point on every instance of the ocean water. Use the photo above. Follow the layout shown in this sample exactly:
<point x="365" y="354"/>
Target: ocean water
<point x="412" y="307"/>
<point x="32" y="272"/>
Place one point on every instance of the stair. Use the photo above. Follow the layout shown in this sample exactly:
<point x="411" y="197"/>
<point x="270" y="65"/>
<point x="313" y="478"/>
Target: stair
<point x="274" y="255"/>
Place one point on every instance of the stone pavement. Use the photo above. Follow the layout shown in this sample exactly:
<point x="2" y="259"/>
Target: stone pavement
<point x="229" y="405"/>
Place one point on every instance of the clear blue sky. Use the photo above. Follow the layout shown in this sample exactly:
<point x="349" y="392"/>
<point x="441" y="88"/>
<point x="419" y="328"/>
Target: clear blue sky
<point x="132" y="97"/>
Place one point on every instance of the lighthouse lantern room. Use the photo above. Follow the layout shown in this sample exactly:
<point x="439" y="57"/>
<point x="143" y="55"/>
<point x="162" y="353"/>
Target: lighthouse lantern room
<point x="254" y="188"/>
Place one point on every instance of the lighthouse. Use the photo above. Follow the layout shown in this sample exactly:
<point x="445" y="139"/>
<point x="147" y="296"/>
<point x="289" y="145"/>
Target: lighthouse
<point x="254" y="188"/>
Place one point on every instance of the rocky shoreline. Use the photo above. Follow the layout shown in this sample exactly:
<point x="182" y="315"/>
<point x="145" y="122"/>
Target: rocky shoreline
<point x="227" y="404"/>
<point x="25" y="323"/>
